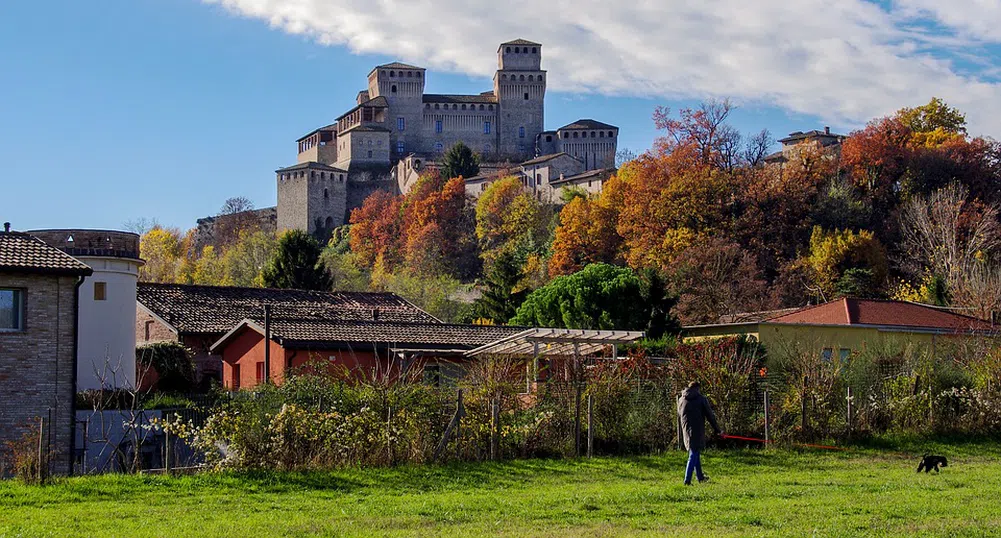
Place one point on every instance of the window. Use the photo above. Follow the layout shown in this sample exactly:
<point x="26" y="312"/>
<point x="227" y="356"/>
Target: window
<point x="844" y="353"/>
<point x="610" y="134"/>
<point x="481" y="107"/>
<point x="392" y="89"/>
<point x="392" y="73"/>
<point x="437" y="126"/>
<point x="235" y="383"/>
<point x="401" y="123"/>
<point x="400" y="146"/>
<point x="517" y="50"/>
<point x="486" y="127"/>
<point x="438" y="146"/>
<point x="260" y="372"/>
<point x="827" y="355"/>
<point x="100" y="291"/>
<point x="329" y="223"/>
<point x="463" y="107"/>
<point x="521" y="132"/>
<point x="530" y="78"/>
<point x="508" y="49"/>
<point x="369" y="154"/>
<point x="410" y="73"/>
<point x="534" y="50"/>
<point x="437" y="106"/>
<point x="312" y="174"/>
<point x="11" y="310"/>
<point x="323" y="175"/>
<point x="601" y="134"/>
<point x="326" y="194"/>
<point x="455" y="107"/>
<point x="549" y="138"/>
<point x="526" y="96"/>
<point x="538" y="179"/>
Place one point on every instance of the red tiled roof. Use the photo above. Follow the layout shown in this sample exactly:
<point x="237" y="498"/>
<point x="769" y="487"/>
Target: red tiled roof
<point x="217" y="309"/>
<point x="847" y="311"/>
<point x="20" y="252"/>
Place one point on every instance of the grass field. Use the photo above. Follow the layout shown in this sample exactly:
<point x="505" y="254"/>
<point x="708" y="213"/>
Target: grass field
<point x="863" y="492"/>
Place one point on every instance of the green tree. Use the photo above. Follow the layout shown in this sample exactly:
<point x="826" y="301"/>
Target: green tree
<point x="600" y="296"/>
<point x="460" y="161"/>
<point x="296" y="264"/>
<point x="245" y="260"/>
<point x="500" y="301"/>
<point x="209" y="268"/>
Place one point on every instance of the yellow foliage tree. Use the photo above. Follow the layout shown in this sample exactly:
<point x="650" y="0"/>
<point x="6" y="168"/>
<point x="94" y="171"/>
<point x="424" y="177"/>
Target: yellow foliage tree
<point x="834" y="253"/>
<point x="161" y="248"/>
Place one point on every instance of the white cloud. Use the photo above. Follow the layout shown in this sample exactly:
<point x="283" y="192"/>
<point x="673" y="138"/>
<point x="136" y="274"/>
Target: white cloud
<point x="845" y="61"/>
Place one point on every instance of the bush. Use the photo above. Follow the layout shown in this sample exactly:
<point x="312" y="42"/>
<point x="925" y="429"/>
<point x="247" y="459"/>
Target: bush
<point x="172" y="363"/>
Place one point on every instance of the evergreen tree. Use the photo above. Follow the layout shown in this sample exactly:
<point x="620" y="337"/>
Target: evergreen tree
<point x="499" y="301"/>
<point x="460" y="161"/>
<point x="296" y="264"/>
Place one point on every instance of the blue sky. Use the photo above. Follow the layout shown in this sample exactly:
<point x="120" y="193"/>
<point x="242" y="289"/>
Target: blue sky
<point x="122" y="109"/>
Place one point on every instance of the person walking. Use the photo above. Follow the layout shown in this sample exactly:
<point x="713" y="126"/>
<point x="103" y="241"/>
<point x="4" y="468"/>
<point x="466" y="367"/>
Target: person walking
<point x="694" y="410"/>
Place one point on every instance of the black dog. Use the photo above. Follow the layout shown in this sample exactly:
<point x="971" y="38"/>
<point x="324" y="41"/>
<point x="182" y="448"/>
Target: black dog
<point x="932" y="462"/>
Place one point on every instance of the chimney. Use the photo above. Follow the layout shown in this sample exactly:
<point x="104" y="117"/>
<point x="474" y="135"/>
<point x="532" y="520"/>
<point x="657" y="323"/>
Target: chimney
<point x="375" y="314"/>
<point x="6" y="226"/>
<point x="827" y="130"/>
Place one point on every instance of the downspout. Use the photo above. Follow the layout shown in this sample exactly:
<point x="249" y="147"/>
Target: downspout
<point x="267" y="343"/>
<point x="73" y="375"/>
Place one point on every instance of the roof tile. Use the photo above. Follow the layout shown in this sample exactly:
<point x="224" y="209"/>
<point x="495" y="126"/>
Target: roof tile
<point x="23" y="253"/>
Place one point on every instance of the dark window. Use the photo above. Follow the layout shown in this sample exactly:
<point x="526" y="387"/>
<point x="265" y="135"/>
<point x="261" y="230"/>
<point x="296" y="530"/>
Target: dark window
<point x="530" y="78"/>
<point x="400" y="146"/>
<point x="507" y="49"/>
<point x="235" y="382"/>
<point x="438" y="146"/>
<point x="455" y="107"/>
<point x="601" y="134"/>
<point x="100" y="291"/>
<point x="538" y="179"/>
<point x="326" y="194"/>
<point x="481" y="107"/>
<point x="486" y="127"/>
<point x="827" y="355"/>
<point x="540" y="78"/>
<point x="535" y="50"/>
<point x="312" y="174"/>
<point x="427" y="105"/>
<point x="329" y="223"/>
<point x="549" y="138"/>
<point x="410" y="73"/>
<point x="526" y="96"/>
<point x="521" y="132"/>
<point x="369" y="154"/>
<point x="575" y="135"/>
<point x="517" y="50"/>
<point x="490" y="107"/>
<point x="611" y="133"/>
<point x="392" y="73"/>
<point x="11" y="309"/>
<point x="844" y="353"/>
<point x="260" y="372"/>
<point x="437" y="106"/>
<point x="392" y="89"/>
<point x="437" y="126"/>
<point x="522" y="78"/>
<point x="592" y="134"/>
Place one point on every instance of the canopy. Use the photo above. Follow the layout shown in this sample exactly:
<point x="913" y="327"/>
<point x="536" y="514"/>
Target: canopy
<point x="556" y="342"/>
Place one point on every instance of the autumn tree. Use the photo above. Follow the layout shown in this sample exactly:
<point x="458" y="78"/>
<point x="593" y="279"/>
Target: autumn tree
<point x="510" y="219"/>
<point x="245" y="260"/>
<point x="586" y="234"/>
<point x="161" y="249"/>
<point x="209" y="268"/>
<point x="376" y="231"/>
<point x="833" y="253"/>
<point x="295" y="264"/>
<point x="437" y="228"/>
<point x="717" y="278"/>
<point x="460" y="161"/>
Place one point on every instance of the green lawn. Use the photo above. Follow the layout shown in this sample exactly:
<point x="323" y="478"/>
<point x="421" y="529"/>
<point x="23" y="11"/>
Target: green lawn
<point x="754" y="493"/>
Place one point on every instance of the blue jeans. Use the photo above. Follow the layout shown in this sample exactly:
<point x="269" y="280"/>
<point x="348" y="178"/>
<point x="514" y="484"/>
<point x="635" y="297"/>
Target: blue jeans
<point x="694" y="464"/>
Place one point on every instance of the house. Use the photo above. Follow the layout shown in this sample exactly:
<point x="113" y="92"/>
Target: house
<point x="39" y="297"/>
<point x="198" y="316"/>
<point x="372" y="348"/>
<point x="849" y="325"/>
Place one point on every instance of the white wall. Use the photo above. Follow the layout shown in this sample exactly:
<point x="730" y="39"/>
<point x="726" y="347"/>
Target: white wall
<point x="106" y="338"/>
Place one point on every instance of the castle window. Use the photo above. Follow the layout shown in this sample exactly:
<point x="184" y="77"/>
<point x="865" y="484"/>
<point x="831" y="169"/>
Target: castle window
<point x="486" y="127"/>
<point x="526" y="96"/>
<point x="317" y="225"/>
<point x="530" y="78"/>
<point x="410" y="73"/>
<point x="437" y="126"/>
<point x="601" y="134"/>
<point x="549" y="138"/>
<point x="392" y="89"/>
<point x="566" y="135"/>
<point x="323" y="175"/>
<point x="392" y="73"/>
<point x="521" y="132"/>
<point x="437" y="106"/>
<point x="592" y="134"/>
<point x="463" y="107"/>
<point x="340" y="177"/>
<point x="538" y="179"/>
<point x="418" y="74"/>
<point x="401" y="123"/>
<point x="610" y="134"/>
<point x="490" y="107"/>
<point x="329" y="223"/>
<point x="517" y="50"/>
<point x="535" y="50"/>
<point x="481" y="107"/>
<point x="438" y="146"/>
<point x="522" y="78"/>
<point x="503" y="77"/>
<point x="540" y="78"/>
<point x="507" y="49"/>
<point x="369" y="154"/>
<point x="455" y="107"/>
<point x="326" y="194"/>
<point x="427" y="105"/>
<point x="400" y="146"/>
<point x="100" y="291"/>
<point x="575" y="135"/>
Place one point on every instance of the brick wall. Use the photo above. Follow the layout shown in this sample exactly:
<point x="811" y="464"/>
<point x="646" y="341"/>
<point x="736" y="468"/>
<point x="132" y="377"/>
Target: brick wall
<point x="37" y="366"/>
<point x="207" y="365"/>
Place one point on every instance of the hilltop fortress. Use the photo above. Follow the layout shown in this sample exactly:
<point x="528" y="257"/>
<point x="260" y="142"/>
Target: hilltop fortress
<point x="395" y="131"/>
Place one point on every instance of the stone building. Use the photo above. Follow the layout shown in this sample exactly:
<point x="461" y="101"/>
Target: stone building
<point x="796" y="143"/>
<point x="39" y="293"/>
<point x="395" y="131"/>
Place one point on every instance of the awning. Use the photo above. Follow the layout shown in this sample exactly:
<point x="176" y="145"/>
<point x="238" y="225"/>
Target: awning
<point x="556" y="342"/>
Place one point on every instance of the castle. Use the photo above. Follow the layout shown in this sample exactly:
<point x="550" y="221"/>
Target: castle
<point x="395" y="131"/>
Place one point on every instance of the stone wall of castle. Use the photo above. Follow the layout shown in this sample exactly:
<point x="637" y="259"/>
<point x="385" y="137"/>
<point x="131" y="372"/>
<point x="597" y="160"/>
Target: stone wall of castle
<point x="222" y="229"/>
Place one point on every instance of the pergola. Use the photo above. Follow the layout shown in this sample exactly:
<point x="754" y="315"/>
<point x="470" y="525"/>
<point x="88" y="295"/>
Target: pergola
<point x="557" y="343"/>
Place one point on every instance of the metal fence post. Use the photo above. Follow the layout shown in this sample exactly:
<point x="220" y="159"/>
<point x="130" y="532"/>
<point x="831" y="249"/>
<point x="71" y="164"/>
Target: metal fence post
<point x="590" y="425"/>
<point x="41" y="426"/>
<point x="768" y="432"/>
<point x="849" y="398"/>
<point x="166" y="442"/>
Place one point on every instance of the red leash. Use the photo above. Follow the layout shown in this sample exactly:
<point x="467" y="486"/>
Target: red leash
<point x="757" y="440"/>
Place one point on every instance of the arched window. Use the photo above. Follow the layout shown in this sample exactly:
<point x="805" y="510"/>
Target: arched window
<point x="437" y="106"/>
<point x="592" y="134"/>
<point x="503" y="77"/>
<point x="392" y="89"/>
<point x="521" y="132"/>
<point x="329" y="223"/>
<point x="418" y="74"/>
<point x="392" y="73"/>
<point x="522" y="78"/>
<point x="575" y="135"/>
<point x="611" y="133"/>
<point x="326" y="194"/>
<point x="526" y="96"/>
<point x="517" y="50"/>
<point x="323" y="175"/>
<point x="340" y="177"/>
<point x="427" y="105"/>
<point x="540" y="78"/>
<point x="455" y="107"/>
<point x="312" y="174"/>
<point x="410" y="73"/>
<point x="507" y="49"/>
<point x="463" y="107"/>
<point x="481" y="107"/>
<point x="530" y="78"/>
<point x="535" y="50"/>
<point x="490" y="107"/>
<point x="549" y="138"/>
<point x="601" y="134"/>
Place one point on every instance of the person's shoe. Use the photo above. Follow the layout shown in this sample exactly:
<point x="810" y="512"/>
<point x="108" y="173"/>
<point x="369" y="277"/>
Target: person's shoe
<point x="688" y="483"/>
<point x="704" y="479"/>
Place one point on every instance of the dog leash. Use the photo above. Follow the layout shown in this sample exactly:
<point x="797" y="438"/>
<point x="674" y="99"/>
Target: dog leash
<point x="757" y="440"/>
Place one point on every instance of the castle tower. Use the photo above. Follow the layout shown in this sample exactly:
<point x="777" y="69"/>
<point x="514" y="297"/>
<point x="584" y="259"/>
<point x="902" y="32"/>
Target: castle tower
<point x="312" y="196"/>
<point x="520" y="87"/>
<point x="106" y="335"/>
<point x="402" y="86"/>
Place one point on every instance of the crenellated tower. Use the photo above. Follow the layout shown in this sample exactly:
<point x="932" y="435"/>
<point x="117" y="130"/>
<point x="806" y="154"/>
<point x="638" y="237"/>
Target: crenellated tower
<point x="520" y="89"/>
